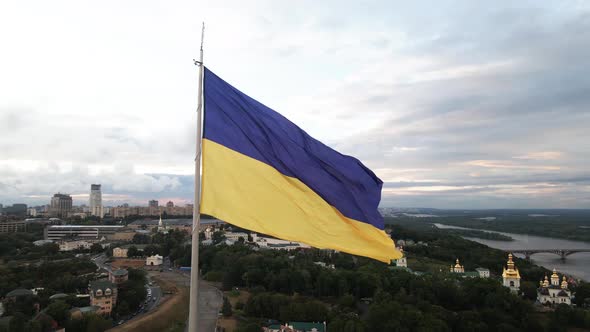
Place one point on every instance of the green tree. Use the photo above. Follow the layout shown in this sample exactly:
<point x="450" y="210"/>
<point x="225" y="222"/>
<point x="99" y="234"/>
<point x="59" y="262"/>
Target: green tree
<point x="59" y="311"/>
<point x="226" y="308"/>
<point x="95" y="323"/>
<point x="96" y="248"/>
<point x="583" y="294"/>
<point x="529" y="290"/>
<point x="17" y="322"/>
<point x="218" y="237"/>
<point x="141" y="239"/>
<point x="151" y="250"/>
<point x="132" y="252"/>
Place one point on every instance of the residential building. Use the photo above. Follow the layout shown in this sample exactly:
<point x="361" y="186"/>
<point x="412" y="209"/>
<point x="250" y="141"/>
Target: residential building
<point x="103" y="294"/>
<point x="120" y="252"/>
<point x="170" y="204"/>
<point x="61" y="205"/>
<point x="457" y="268"/>
<point x="32" y="212"/>
<point x="123" y="251"/>
<point x="96" y="201"/>
<point x="73" y="232"/>
<point x="118" y="276"/>
<point x="126" y="210"/>
<point x="12" y="226"/>
<point x="155" y="260"/>
<point x="554" y="292"/>
<point x="74" y="245"/>
<point x="123" y="235"/>
<point x="153" y="204"/>
<point x="482" y="272"/>
<point x="511" y="276"/>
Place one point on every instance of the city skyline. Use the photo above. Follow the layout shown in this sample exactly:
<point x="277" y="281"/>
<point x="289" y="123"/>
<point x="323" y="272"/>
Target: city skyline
<point x="456" y="113"/>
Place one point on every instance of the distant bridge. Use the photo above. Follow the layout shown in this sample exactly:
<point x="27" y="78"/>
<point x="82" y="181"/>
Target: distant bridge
<point x="563" y="253"/>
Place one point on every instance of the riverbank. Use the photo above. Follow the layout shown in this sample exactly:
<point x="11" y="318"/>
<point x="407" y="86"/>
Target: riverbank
<point x="576" y="265"/>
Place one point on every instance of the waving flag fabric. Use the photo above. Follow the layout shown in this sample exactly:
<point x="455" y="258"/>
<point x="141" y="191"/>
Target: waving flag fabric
<point x="263" y="173"/>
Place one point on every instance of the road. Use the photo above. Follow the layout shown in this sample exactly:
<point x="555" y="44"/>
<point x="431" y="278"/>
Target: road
<point x="210" y="301"/>
<point x="152" y="302"/>
<point x="210" y="298"/>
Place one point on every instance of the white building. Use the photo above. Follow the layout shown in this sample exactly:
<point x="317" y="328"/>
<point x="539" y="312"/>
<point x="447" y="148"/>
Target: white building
<point x="402" y="261"/>
<point x="120" y="252"/>
<point x="276" y="244"/>
<point x="209" y="233"/>
<point x="155" y="260"/>
<point x="554" y="293"/>
<point x="511" y="276"/>
<point x="483" y="273"/>
<point x="74" y="245"/>
<point x="161" y="227"/>
<point x="235" y="236"/>
<point x="32" y="212"/>
<point x="96" y="201"/>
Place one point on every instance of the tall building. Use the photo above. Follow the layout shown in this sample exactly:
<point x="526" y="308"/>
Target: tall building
<point x="17" y="210"/>
<point x="511" y="276"/>
<point x="170" y="204"/>
<point x="96" y="201"/>
<point x="153" y="203"/>
<point x="61" y="205"/>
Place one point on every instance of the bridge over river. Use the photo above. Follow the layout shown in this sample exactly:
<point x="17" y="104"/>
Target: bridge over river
<point x="563" y="253"/>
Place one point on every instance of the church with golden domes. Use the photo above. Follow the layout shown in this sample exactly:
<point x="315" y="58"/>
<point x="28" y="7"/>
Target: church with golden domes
<point x="457" y="268"/>
<point x="554" y="292"/>
<point x="511" y="276"/>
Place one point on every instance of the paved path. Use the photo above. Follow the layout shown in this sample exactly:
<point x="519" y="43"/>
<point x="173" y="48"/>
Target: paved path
<point x="210" y="301"/>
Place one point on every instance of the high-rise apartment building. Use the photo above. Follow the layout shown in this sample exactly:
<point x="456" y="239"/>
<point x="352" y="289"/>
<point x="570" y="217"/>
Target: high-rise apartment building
<point x="153" y="203"/>
<point x="96" y="201"/>
<point x="61" y="205"/>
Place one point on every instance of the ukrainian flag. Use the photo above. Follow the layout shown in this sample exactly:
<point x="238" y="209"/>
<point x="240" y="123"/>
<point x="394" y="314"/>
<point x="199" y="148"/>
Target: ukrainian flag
<point x="263" y="173"/>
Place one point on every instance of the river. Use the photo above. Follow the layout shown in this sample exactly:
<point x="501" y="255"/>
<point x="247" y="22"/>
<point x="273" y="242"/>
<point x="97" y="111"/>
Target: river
<point x="577" y="264"/>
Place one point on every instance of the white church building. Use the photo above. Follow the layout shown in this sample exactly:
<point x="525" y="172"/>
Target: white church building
<point x="554" y="292"/>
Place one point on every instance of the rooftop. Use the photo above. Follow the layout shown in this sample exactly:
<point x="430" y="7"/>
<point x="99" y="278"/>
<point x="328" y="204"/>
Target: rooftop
<point x="102" y="285"/>
<point x="19" y="292"/>
<point x="58" y="296"/>
<point x="120" y="272"/>
<point x="84" y="310"/>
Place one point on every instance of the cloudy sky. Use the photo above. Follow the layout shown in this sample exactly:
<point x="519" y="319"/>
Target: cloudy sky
<point x="462" y="105"/>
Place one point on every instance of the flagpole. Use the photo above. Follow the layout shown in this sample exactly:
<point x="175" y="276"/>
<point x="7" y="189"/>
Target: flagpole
<point x="193" y="315"/>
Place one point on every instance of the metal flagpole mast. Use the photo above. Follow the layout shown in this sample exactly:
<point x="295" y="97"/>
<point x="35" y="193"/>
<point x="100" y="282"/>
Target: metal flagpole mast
<point x="193" y="315"/>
